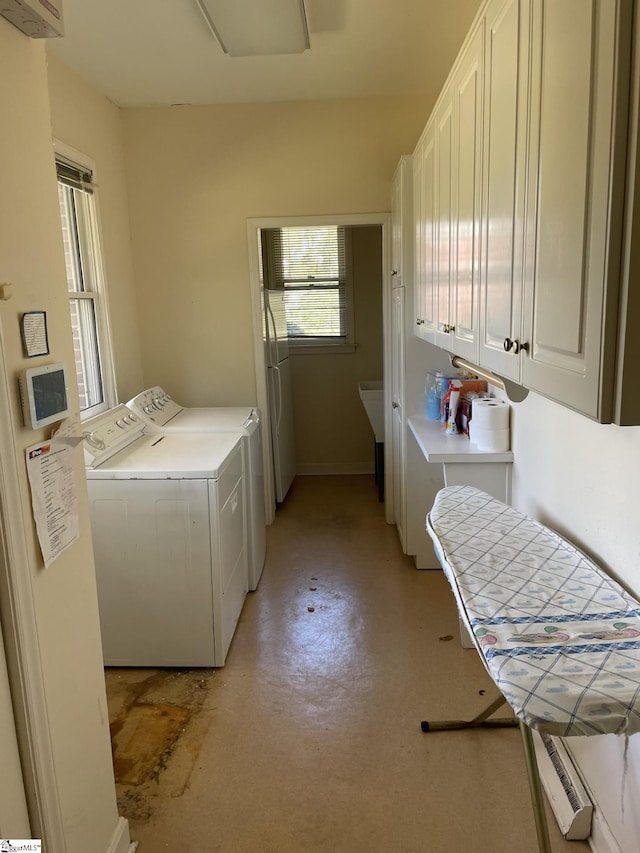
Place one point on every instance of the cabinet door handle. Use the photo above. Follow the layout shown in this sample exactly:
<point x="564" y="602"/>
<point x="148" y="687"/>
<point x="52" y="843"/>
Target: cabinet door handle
<point x="419" y="322"/>
<point x="447" y="329"/>
<point x="515" y="346"/>
<point x="394" y="272"/>
<point x="395" y="405"/>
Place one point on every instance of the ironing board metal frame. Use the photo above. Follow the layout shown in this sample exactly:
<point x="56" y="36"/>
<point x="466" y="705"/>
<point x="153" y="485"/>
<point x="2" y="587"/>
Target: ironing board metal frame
<point x="482" y="720"/>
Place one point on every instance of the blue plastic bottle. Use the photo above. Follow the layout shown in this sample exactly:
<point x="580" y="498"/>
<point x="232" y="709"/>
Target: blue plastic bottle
<point x="434" y="399"/>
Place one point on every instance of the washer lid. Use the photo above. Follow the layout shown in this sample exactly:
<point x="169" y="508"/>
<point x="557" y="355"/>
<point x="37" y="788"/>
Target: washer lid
<point x="184" y="456"/>
<point x="215" y="419"/>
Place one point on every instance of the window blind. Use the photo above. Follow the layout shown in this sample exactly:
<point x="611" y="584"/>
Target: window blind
<point x="75" y="177"/>
<point x="309" y="265"/>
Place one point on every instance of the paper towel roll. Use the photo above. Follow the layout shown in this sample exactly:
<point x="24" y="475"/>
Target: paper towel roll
<point x="493" y="440"/>
<point x="490" y="414"/>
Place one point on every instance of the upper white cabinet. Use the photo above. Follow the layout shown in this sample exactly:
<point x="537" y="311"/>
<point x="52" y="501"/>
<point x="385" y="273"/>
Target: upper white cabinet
<point x="448" y="238"/>
<point x="467" y="93"/>
<point x="402" y="260"/>
<point x="504" y="166"/>
<point x="444" y="214"/>
<point x="578" y="117"/>
<point x="528" y="216"/>
<point x="424" y="242"/>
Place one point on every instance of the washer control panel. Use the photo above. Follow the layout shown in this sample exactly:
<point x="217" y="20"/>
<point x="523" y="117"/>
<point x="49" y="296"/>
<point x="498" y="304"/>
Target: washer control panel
<point x="108" y="433"/>
<point x="155" y="406"/>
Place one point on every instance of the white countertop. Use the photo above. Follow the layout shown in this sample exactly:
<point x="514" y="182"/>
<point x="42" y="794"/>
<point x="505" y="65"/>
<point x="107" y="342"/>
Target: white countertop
<point x="438" y="447"/>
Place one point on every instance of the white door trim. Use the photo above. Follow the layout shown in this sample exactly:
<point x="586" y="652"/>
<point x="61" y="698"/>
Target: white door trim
<point x="253" y="234"/>
<point x="14" y="816"/>
<point x="20" y="631"/>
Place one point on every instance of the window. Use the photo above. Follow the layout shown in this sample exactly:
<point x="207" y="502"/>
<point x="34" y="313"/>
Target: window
<point x="311" y="265"/>
<point x="76" y="193"/>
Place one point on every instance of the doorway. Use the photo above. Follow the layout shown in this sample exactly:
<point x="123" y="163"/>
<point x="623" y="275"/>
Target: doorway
<point x="325" y="383"/>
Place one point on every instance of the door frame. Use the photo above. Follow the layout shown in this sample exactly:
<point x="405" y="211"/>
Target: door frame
<point x="14" y="815"/>
<point x="20" y="632"/>
<point x="254" y="226"/>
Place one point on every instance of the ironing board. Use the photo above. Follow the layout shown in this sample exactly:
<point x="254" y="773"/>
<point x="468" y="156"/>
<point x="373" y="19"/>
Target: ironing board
<point x="559" y="637"/>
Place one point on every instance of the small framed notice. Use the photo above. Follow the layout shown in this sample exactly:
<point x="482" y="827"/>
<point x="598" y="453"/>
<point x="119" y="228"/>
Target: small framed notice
<point x="34" y="333"/>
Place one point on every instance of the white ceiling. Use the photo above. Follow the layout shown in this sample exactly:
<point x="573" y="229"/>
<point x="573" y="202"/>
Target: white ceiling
<point x="160" y="52"/>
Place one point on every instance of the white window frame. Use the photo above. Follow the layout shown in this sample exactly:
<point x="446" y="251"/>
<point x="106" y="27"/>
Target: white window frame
<point x="341" y="344"/>
<point x="99" y="295"/>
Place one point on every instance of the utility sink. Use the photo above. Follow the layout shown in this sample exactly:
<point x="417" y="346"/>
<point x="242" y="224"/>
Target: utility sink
<point x="371" y="394"/>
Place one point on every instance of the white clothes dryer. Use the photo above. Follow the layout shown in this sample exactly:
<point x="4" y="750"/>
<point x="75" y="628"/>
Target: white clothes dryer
<point x="162" y="414"/>
<point x="169" y="535"/>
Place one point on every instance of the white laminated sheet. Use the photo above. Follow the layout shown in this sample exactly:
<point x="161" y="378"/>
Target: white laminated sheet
<point x="560" y="638"/>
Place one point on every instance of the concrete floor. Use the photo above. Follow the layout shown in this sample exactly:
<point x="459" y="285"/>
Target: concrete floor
<point x="309" y="739"/>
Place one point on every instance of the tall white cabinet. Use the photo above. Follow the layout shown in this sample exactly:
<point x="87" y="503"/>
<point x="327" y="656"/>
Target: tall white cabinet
<point x="401" y="314"/>
<point x="415" y="481"/>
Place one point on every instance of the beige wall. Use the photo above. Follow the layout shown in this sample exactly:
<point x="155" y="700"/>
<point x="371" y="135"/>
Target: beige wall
<point x="581" y="478"/>
<point x="196" y="174"/>
<point x="333" y="434"/>
<point x="90" y="123"/>
<point x="31" y="257"/>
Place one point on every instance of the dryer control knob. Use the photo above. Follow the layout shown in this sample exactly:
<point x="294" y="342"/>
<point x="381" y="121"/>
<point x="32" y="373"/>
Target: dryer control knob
<point x="94" y="440"/>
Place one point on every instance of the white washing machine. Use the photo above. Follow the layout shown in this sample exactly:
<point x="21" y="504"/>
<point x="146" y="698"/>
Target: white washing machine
<point x="169" y="534"/>
<point x="161" y="413"/>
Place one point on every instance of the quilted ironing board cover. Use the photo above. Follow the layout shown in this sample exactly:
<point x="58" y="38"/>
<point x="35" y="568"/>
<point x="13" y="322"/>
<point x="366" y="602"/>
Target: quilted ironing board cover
<point x="558" y="636"/>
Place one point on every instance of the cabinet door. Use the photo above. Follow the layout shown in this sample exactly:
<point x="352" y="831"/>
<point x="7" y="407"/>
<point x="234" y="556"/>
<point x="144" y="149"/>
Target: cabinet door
<point x="402" y="225"/>
<point x="418" y="240"/>
<point x="396" y="229"/>
<point x="504" y="163"/>
<point x="572" y="186"/>
<point x="467" y="154"/>
<point x="397" y="403"/>
<point x="428" y="189"/>
<point x="444" y="219"/>
<point x="424" y="234"/>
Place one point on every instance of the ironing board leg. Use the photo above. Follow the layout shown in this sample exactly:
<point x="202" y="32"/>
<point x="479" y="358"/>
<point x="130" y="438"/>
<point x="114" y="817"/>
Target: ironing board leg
<point x="542" y="830"/>
<point x="476" y="722"/>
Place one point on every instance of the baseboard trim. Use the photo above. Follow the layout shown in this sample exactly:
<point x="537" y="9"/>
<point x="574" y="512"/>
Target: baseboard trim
<point x="601" y="839"/>
<point x="327" y="468"/>
<point x="120" y="840"/>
